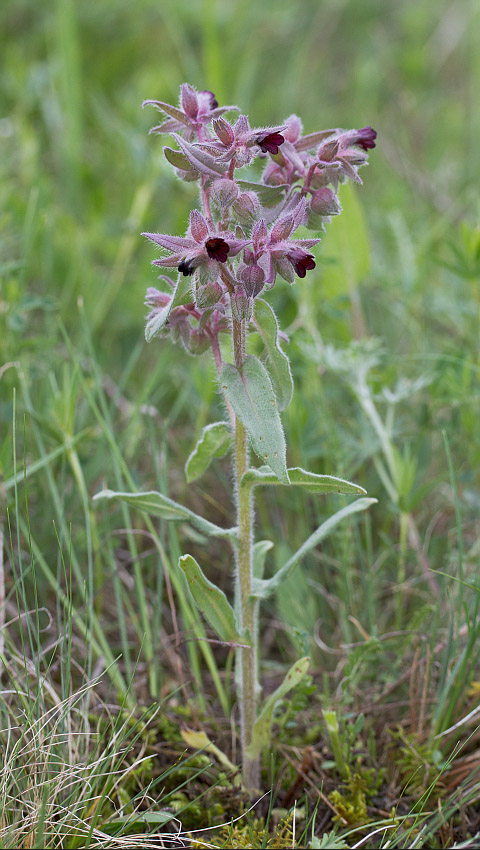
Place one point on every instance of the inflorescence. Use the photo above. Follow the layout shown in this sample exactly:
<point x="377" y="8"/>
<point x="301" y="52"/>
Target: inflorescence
<point x="245" y="234"/>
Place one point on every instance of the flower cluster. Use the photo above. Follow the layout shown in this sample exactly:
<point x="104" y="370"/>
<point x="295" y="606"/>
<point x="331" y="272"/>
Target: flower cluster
<point x="244" y="236"/>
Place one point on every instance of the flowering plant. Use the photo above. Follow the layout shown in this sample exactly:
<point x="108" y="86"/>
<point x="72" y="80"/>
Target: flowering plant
<point x="236" y="246"/>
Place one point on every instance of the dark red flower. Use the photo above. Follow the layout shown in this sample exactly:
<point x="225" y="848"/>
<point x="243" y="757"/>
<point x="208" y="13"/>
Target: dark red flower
<point x="217" y="249"/>
<point x="270" y="143"/>
<point x="365" y="138"/>
<point x="301" y="262"/>
<point x="211" y="97"/>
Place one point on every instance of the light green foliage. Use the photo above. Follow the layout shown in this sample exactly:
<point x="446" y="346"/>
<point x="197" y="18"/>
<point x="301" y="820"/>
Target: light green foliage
<point x="328" y="841"/>
<point x="156" y="504"/>
<point x="252" y="397"/>
<point x="346" y="243"/>
<point x="80" y="180"/>
<point x="264" y="720"/>
<point x="211" y="601"/>
<point x="309" y="481"/>
<point x="214" y="441"/>
<point x="260" y="549"/>
<point x="351" y="802"/>
<point x="277" y="361"/>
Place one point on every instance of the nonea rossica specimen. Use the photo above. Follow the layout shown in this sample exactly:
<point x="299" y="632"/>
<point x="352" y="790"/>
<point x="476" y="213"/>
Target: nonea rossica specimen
<point x="239" y="241"/>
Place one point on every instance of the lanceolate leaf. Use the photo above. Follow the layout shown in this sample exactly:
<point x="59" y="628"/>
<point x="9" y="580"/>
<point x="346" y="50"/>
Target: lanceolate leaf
<point x="263" y="588"/>
<point x="177" y="159"/>
<point x="175" y="113"/>
<point x="267" y="195"/>
<point x="211" y="601"/>
<point x="156" y="504"/>
<point x="251" y="395"/>
<point x="181" y="295"/>
<point x="310" y="481"/>
<point x="214" y="442"/>
<point x="277" y="363"/>
<point x="260" y="550"/>
<point x="263" y="723"/>
<point x="202" y="160"/>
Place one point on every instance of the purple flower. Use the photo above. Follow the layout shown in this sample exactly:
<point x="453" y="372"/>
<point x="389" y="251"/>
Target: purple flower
<point x="275" y="251"/>
<point x="201" y="247"/>
<point x="189" y="118"/>
<point x="240" y="143"/>
<point x="217" y="249"/>
<point x="301" y="261"/>
<point x="270" y="143"/>
<point x="365" y="138"/>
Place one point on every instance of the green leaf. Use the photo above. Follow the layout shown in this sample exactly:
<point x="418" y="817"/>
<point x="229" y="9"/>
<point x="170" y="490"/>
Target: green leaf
<point x="182" y="294"/>
<point x="211" y="601"/>
<point x="310" y="481"/>
<point x="251" y="395"/>
<point x="201" y="159"/>
<point x="177" y="159"/>
<point x="346" y="242"/>
<point x="278" y="364"/>
<point x="267" y="195"/>
<point x="263" y="588"/>
<point x="214" y="442"/>
<point x="156" y="504"/>
<point x="173" y="111"/>
<point x="263" y="723"/>
<point x="260" y="549"/>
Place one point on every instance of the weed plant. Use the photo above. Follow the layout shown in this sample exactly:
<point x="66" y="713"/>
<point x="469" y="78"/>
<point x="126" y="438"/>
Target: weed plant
<point x="105" y="657"/>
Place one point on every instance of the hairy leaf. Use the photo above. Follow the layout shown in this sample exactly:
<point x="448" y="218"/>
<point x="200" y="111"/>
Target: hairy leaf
<point x="211" y="601"/>
<point x="156" y="504"/>
<point x="202" y="160"/>
<point x="263" y="723"/>
<point x="214" y="442"/>
<point x="310" y="481"/>
<point x="173" y="111"/>
<point x="260" y="549"/>
<point x="177" y="159"/>
<point x="251" y="395"/>
<point x="277" y="364"/>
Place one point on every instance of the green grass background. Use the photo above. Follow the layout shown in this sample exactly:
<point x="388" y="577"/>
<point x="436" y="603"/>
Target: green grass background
<point x="89" y="404"/>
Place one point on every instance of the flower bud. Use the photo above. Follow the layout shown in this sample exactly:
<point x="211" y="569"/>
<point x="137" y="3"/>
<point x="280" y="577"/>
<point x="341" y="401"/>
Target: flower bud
<point x="253" y="279"/>
<point x="208" y="295"/>
<point x="293" y="129"/>
<point x="189" y="101"/>
<point x="242" y="305"/>
<point x="198" y="226"/>
<point x="224" y="192"/>
<point x="325" y="202"/>
<point x="246" y="207"/>
<point x="273" y="174"/>
<point x="224" y="131"/>
<point x="328" y="151"/>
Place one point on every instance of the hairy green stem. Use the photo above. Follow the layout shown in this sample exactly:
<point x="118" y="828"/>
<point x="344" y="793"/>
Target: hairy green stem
<point x="247" y="679"/>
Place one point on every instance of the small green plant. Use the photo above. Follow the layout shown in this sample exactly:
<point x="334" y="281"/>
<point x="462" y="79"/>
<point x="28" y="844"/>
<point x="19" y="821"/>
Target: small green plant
<point x="235" y="246"/>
